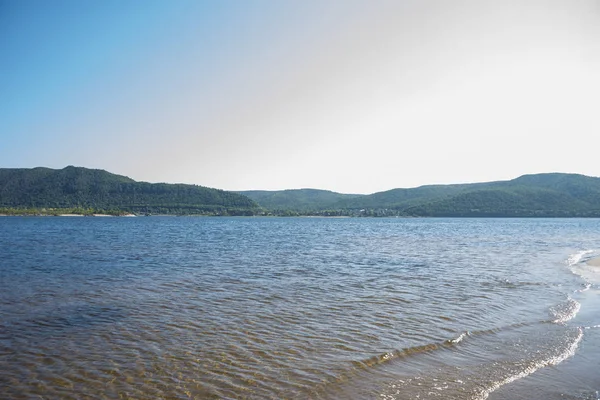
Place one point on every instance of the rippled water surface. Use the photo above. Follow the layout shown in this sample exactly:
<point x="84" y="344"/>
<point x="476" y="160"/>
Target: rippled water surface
<point x="166" y="307"/>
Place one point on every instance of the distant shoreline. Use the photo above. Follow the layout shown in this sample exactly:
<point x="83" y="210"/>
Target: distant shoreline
<point x="67" y="215"/>
<point x="594" y="262"/>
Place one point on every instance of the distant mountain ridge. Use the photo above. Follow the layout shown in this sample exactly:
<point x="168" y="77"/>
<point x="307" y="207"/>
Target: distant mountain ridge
<point x="539" y="195"/>
<point x="101" y="191"/>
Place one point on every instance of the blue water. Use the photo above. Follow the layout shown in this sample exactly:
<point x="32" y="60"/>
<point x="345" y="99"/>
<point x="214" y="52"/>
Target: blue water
<point x="294" y="307"/>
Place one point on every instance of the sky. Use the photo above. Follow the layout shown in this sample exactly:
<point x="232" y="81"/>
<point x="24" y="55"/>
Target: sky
<point x="345" y="95"/>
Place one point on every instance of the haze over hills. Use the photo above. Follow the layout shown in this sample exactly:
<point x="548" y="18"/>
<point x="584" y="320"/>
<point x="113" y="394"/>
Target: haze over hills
<point x="97" y="191"/>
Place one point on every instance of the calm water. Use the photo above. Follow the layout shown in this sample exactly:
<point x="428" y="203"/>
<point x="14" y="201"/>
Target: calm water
<point x="271" y="308"/>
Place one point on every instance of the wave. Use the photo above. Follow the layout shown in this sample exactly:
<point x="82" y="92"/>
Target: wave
<point x="371" y="364"/>
<point x="577" y="263"/>
<point x="494" y="374"/>
<point x="565" y="311"/>
<point x="460" y="338"/>
<point x="485" y="364"/>
<point x="577" y="257"/>
<point x="585" y="288"/>
<point x="554" y="360"/>
<point x="430" y="347"/>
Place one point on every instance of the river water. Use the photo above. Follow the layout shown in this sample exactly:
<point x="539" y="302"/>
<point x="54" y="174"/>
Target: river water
<point x="272" y="308"/>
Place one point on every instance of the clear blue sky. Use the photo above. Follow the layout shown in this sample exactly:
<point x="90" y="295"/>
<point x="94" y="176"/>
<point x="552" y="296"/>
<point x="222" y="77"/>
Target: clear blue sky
<point x="352" y="96"/>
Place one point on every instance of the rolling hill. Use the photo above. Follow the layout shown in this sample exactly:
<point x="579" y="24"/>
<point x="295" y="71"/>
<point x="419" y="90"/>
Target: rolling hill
<point x="101" y="191"/>
<point x="298" y="199"/>
<point x="539" y="195"/>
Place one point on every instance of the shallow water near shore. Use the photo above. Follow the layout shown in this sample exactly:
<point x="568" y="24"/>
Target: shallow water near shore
<point x="165" y="307"/>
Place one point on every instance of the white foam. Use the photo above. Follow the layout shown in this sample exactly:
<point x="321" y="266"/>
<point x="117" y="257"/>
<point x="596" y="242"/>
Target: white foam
<point x="566" y="313"/>
<point x="569" y="352"/>
<point x="585" y="288"/>
<point x="578" y="267"/>
<point x="459" y="338"/>
<point x="576" y="258"/>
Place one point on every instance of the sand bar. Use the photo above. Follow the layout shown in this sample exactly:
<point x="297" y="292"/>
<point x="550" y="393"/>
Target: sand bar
<point x="595" y="262"/>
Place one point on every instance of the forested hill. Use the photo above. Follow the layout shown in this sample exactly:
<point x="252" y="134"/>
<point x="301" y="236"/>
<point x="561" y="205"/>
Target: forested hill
<point x="305" y="200"/>
<point x="97" y="191"/>
<point x="540" y="195"/>
<point x="100" y="191"/>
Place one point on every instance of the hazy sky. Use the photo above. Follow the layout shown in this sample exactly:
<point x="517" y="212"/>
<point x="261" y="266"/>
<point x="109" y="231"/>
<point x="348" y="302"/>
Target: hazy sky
<point x="351" y="96"/>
